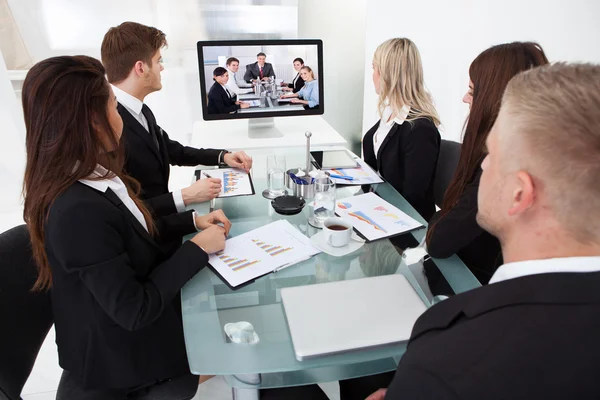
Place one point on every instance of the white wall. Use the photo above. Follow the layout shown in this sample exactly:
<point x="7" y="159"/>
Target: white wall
<point x="12" y="153"/>
<point x="450" y="35"/>
<point x="341" y="26"/>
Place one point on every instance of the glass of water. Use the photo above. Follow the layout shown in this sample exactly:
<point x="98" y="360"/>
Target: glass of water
<point x="275" y="176"/>
<point x="323" y="204"/>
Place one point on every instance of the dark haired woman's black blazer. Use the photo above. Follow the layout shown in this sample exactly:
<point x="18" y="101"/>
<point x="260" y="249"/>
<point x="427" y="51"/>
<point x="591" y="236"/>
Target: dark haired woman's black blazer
<point x="297" y="85"/>
<point x="219" y="101"/>
<point x="115" y="293"/>
<point x="407" y="159"/>
<point x="457" y="232"/>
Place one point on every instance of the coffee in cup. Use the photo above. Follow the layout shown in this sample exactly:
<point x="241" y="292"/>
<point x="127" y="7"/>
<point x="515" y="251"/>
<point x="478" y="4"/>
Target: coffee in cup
<point x="337" y="231"/>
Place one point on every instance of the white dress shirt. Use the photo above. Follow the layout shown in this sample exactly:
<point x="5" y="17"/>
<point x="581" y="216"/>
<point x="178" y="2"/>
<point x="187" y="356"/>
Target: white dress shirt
<point x="232" y="83"/>
<point x="116" y="185"/>
<point x="385" y="125"/>
<point x="551" y="265"/>
<point x="134" y="106"/>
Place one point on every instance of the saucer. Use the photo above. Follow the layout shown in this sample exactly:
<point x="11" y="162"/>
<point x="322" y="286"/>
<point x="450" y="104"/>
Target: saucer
<point x="318" y="240"/>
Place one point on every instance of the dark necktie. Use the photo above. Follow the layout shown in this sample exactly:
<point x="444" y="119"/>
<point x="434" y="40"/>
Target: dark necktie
<point x="148" y="114"/>
<point x="261" y="73"/>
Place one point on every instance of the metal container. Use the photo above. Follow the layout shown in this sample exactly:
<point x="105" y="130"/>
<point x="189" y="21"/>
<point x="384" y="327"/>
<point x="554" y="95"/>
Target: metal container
<point x="306" y="191"/>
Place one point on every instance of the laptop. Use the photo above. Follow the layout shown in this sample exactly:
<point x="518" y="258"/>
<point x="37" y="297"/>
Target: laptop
<point x="344" y="316"/>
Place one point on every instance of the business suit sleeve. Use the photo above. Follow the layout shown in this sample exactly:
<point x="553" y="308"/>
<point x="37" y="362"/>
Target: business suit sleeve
<point x="162" y="205"/>
<point x="458" y="227"/>
<point x="221" y="102"/>
<point x="412" y="382"/>
<point x="89" y="243"/>
<point x="175" y="225"/>
<point x="248" y="75"/>
<point x="189" y="156"/>
<point x="420" y="155"/>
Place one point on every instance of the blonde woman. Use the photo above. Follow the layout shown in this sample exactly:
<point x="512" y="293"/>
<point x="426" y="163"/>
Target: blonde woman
<point x="403" y="145"/>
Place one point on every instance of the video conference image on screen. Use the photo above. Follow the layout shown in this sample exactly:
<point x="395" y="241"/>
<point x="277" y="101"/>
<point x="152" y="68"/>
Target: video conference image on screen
<point x="259" y="79"/>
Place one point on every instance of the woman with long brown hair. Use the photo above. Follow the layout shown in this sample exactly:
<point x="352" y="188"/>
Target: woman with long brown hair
<point x="454" y="228"/>
<point x="114" y="291"/>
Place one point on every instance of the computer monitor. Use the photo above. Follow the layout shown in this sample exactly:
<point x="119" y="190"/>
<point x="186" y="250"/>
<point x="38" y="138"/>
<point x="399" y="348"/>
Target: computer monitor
<point x="261" y="79"/>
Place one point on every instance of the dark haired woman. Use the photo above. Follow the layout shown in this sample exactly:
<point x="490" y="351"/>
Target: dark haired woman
<point x="221" y="100"/>
<point x="454" y="228"/>
<point x="114" y="292"/>
<point x="297" y="83"/>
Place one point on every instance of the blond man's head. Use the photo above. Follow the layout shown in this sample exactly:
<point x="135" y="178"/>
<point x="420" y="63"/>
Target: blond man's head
<point x="544" y="163"/>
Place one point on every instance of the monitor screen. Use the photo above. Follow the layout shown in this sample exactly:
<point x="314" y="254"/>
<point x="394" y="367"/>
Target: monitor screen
<point x="261" y="78"/>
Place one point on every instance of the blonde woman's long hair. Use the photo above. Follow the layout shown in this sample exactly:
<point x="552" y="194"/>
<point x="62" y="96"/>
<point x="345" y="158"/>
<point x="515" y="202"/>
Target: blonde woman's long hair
<point x="401" y="80"/>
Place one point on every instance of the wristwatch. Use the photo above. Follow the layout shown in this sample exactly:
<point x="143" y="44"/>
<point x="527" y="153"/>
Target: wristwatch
<point x="222" y="162"/>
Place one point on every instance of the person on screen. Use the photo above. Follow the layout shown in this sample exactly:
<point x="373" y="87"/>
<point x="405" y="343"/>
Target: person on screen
<point x="114" y="291"/>
<point x="532" y="333"/>
<point x="260" y="70"/>
<point x="221" y="100"/>
<point x="403" y="146"/>
<point x="309" y="94"/>
<point x="131" y="54"/>
<point x="453" y="229"/>
<point x="232" y="66"/>
<point x="297" y="83"/>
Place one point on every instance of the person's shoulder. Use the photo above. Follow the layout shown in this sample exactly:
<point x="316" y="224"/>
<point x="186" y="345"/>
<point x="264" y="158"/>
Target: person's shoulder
<point x="423" y="126"/>
<point x="78" y="200"/>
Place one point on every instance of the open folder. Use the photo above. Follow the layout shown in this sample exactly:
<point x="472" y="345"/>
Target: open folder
<point x="259" y="252"/>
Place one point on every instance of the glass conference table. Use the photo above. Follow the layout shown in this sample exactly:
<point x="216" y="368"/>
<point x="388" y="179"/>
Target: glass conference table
<point x="270" y="104"/>
<point x="208" y="304"/>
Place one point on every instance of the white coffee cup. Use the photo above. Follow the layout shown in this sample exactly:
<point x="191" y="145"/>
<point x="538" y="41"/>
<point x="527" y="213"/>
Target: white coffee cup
<point x="337" y="232"/>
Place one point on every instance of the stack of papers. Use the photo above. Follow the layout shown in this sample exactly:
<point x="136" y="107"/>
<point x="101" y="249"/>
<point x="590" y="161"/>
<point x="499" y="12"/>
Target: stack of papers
<point x="261" y="251"/>
<point x="374" y="217"/>
<point x="362" y="175"/>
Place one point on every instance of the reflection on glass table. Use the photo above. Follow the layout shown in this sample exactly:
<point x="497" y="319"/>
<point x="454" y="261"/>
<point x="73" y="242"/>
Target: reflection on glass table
<point x="208" y="304"/>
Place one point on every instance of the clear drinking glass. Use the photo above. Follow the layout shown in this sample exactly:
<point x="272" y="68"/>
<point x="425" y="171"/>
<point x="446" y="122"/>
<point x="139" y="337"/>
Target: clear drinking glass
<point x="263" y="99"/>
<point x="323" y="204"/>
<point x="275" y="175"/>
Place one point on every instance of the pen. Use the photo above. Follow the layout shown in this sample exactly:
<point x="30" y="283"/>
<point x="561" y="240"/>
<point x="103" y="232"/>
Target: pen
<point x="206" y="175"/>
<point x="284" y="266"/>
<point x="348" y="178"/>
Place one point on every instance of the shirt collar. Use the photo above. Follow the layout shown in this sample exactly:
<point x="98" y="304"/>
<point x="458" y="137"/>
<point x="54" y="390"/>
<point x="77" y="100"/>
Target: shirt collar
<point x="551" y="265"/>
<point x="398" y="119"/>
<point x="132" y="103"/>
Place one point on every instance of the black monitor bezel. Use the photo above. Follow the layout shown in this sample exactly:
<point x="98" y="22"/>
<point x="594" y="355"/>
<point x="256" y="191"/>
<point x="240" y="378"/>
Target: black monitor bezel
<point x="270" y="42"/>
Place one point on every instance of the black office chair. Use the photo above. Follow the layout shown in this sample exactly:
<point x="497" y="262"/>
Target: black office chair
<point x="26" y="316"/>
<point x="447" y="163"/>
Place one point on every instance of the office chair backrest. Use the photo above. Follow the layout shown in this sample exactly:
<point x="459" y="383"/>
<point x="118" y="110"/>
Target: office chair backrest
<point x="447" y="163"/>
<point x="26" y="316"/>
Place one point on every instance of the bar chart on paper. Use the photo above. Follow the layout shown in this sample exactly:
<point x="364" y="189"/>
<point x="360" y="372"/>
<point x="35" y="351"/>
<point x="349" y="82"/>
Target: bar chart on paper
<point x="271" y="249"/>
<point x="235" y="263"/>
<point x="234" y="182"/>
<point x="260" y="251"/>
<point x="374" y="217"/>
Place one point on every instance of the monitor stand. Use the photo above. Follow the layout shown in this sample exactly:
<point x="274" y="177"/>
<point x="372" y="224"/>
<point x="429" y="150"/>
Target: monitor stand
<point x="263" y="128"/>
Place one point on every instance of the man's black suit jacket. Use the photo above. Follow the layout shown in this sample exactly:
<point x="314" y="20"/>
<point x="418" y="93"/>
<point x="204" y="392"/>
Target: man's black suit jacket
<point x="115" y="294"/>
<point x="407" y="159"/>
<point x="534" y="337"/>
<point x="219" y="102"/>
<point x="150" y="165"/>
<point x="253" y="71"/>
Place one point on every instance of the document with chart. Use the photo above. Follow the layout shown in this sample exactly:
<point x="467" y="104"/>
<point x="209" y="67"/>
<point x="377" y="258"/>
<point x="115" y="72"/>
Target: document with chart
<point x="234" y="182"/>
<point x="373" y="217"/>
<point x="361" y="175"/>
<point x="260" y="252"/>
